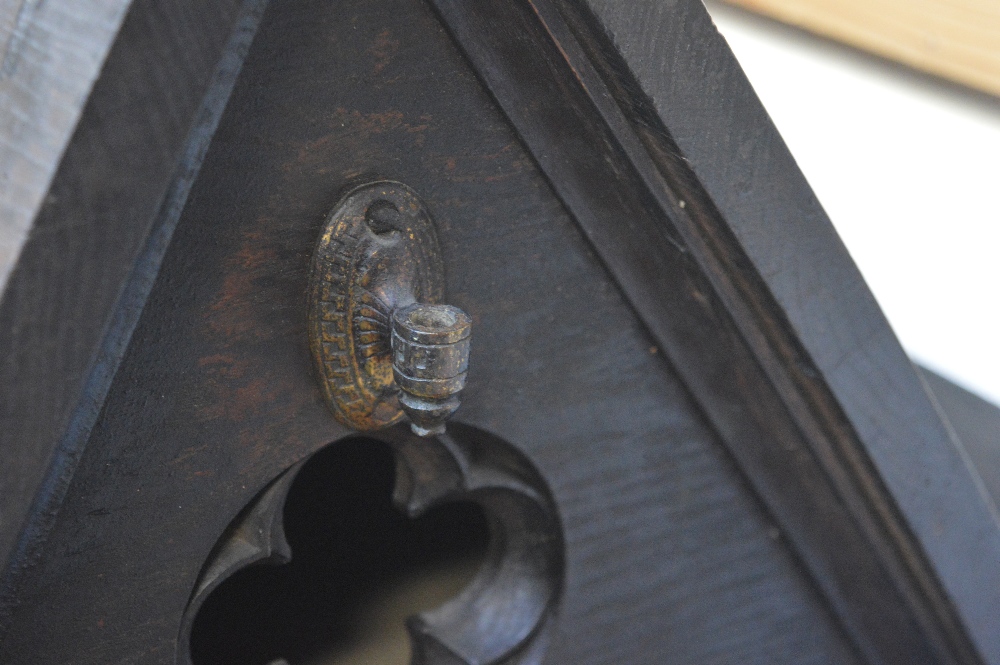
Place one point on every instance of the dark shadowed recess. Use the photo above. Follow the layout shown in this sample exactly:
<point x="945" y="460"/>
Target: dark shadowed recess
<point x="352" y="552"/>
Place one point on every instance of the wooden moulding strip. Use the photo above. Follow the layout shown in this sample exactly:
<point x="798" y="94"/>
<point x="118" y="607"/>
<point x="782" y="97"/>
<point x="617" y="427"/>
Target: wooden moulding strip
<point x="613" y="160"/>
<point x="955" y="39"/>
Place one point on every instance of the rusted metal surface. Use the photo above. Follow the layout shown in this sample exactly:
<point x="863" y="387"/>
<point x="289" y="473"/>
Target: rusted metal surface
<point x="377" y="252"/>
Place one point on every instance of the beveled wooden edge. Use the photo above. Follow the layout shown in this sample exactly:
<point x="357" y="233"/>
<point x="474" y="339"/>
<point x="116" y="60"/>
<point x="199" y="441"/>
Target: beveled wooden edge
<point x="648" y="131"/>
<point x="975" y="421"/>
<point x="805" y="268"/>
<point x="50" y="55"/>
<point x="41" y="443"/>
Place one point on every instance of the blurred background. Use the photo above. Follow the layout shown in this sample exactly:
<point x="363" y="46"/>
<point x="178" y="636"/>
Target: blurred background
<point x="892" y="110"/>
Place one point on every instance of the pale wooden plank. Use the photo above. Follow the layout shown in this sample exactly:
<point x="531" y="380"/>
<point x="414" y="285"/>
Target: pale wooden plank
<point x="50" y="55"/>
<point x="955" y="39"/>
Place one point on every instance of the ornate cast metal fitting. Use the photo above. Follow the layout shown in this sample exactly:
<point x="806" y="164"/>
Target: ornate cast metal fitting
<point x="382" y="346"/>
<point x="430" y="360"/>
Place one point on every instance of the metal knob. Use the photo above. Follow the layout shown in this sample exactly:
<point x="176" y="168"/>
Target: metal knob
<point x="430" y="360"/>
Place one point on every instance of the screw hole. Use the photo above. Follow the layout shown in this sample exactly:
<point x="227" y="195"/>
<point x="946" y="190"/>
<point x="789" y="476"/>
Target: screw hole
<point x="383" y="218"/>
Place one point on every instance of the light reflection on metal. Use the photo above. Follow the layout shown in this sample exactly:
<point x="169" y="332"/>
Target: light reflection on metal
<point x="381" y="344"/>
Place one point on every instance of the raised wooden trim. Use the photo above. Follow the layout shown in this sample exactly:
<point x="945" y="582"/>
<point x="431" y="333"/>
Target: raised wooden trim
<point x="82" y="278"/>
<point x="670" y="166"/>
<point x="955" y="39"/>
<point x="50" y="56"/>
<point x="734" y="151"/>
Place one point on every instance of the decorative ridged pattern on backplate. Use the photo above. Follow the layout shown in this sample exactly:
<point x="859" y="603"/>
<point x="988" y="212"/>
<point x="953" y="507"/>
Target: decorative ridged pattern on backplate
<point x="377" y="252"/>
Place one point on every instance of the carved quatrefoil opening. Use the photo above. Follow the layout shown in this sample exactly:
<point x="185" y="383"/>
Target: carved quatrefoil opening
<point x="313" y="571"/>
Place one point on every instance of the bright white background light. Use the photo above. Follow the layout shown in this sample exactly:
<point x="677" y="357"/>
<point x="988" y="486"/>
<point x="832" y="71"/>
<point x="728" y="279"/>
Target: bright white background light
<point x="908" y="168"/>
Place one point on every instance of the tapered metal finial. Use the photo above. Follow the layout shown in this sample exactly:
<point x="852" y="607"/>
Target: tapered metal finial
<point x="430" y="360"/>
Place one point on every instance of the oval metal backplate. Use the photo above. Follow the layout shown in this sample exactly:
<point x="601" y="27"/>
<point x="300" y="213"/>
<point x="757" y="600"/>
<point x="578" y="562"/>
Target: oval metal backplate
<point x="378" y="251"/>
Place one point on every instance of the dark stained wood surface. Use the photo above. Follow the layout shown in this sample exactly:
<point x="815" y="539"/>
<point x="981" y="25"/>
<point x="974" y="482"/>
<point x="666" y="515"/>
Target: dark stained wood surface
<point x="745" y="465"/>
<point x="615" y="165"/>
<point x="83" y="276"/>
<point x="698" y="90"/>
<point x="670" y="557"/>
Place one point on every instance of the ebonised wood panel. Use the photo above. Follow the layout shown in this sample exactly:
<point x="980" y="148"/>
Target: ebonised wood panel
<point x="667" y="326"/>
<point x="95" y="247"/>
<point x="695" y="87"/>
<point x="670" y="555"/>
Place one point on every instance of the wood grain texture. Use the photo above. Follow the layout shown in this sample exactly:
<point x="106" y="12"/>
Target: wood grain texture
<point x="754" y="381"/>
<point x="742" y="163"/>
<point x="745" y="465"/>
<point x="50" y="55"/>
<point x="955" y="39"/>
<point x="680" y="62"/>
<point x="670" y="557"/>
<point x="83" y="277"/>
